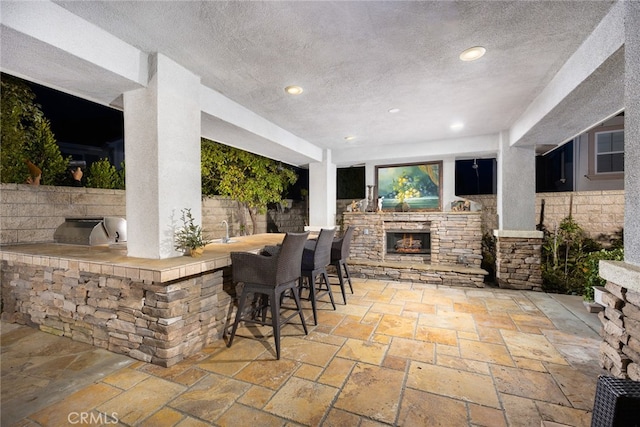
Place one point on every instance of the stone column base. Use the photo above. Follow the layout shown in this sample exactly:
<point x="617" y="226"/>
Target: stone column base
<point x="518" y="256"/>
<point x="620" y="349"/>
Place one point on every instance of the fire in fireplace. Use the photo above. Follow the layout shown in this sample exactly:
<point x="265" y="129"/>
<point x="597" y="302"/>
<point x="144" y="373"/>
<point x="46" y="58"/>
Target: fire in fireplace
<point x="408" y="242"/>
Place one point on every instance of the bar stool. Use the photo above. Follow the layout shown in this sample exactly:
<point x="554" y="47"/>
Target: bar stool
<point x="315" y="258"/>
<point x="339" y="254"/>
<point x="271" y="276"/>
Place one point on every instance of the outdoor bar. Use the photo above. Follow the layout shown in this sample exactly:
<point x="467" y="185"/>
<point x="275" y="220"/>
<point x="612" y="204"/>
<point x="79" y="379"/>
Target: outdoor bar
<point x="158" y="311"/>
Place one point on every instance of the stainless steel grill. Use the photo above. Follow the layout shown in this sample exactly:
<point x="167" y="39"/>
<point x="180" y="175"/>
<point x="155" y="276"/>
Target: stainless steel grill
<point x="91" y="231"/>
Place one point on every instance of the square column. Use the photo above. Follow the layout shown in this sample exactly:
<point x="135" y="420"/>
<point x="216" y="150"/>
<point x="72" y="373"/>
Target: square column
<point x="162" y="152"/>
<point x="322" y="193"/>
<point x="518" y="244"/>
<point x="516" y="186"/>
<point x="632" y="133"/>
<point x="620" y="349"/>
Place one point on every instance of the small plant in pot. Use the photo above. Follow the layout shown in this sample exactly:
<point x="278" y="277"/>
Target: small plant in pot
<point x="190" y="237"/>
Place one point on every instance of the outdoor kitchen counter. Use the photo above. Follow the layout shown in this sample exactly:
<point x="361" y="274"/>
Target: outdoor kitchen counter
<point x="154" y="310"/>
<point x="113" y="261"/>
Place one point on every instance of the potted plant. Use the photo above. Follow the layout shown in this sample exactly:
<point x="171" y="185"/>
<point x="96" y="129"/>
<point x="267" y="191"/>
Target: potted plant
<point x="189" y="238"/>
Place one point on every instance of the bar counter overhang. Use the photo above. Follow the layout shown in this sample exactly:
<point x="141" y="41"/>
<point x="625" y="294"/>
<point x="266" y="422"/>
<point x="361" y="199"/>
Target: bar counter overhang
<point x="155" y="310"/>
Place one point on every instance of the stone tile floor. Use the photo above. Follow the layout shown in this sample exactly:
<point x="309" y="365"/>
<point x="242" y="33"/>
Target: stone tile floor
<point x="398" y="354"/>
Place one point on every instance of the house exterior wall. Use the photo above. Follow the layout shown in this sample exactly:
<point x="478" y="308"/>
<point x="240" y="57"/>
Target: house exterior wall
<point x="583" y="152"/>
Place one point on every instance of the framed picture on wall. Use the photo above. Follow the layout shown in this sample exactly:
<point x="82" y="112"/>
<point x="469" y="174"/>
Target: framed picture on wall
<point x="412" y="186"/>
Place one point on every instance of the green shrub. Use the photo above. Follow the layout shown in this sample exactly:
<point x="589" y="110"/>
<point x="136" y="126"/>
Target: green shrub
<point x="591" y="269"/>
<point x="102" y="174"/>
<point x="564" y="250"/>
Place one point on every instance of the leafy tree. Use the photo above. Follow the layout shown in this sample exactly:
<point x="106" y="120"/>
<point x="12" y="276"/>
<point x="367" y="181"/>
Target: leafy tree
<point x="102" y="174"/>
<point x="252" y="180"/>
<point x="27" y="135"/>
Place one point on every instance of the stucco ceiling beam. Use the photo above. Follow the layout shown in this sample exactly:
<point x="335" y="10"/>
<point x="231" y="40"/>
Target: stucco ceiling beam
<point x="575" y="87"/>
<point x="469" y="147"/>
<point x="228" y="122"/>
<point x="47" y="44"/>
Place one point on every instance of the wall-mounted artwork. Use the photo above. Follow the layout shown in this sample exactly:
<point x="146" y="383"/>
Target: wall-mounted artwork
<point x="415" y="186"/>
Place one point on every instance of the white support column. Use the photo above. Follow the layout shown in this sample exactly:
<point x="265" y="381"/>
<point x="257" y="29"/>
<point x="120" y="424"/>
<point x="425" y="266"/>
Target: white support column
<point x="516" y="198"/>
<point x="448" y="182"/>
<point x="518" y="242"/>
<point x="162" y="151"/>
<point x="632" y="134"/>
<point x="322" y="193"/>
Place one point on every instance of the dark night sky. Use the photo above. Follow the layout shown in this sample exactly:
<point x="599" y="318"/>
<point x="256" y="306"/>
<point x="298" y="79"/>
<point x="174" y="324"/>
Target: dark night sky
<point x="78" y="121"/>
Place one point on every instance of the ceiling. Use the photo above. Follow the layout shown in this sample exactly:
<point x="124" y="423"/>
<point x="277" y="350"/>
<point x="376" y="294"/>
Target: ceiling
<point x="357" y="60"/>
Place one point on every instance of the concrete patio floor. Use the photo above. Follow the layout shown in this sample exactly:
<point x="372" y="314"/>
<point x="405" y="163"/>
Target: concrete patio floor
<point x="396" y="354"/>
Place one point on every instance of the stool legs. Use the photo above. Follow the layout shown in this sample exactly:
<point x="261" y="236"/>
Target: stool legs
<point x="310" y="276"/>
<point x="269" y="297"/>
<point x="339" y="264"/>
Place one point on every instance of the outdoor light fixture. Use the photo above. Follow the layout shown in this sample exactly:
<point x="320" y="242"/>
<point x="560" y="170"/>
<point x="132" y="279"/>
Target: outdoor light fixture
<point x="394" y="110"/>
<point x="349" y="138"/>
<point x="293" y="90"/>
<point x="456" y="126"/>
<point x="473" y="53"/>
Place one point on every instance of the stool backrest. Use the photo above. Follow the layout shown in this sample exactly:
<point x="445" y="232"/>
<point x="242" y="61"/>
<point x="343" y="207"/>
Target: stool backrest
<point x="290" y="257"/>
<point x="322" y="253"/>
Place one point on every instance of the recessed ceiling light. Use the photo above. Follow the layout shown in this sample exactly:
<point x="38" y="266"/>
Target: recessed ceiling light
<point x="349" y="138"/>
<point x="394" y="110"/>
<point x="473" y="53"/>
<point x="293" y="90"/>
<point x="456" y="126"/>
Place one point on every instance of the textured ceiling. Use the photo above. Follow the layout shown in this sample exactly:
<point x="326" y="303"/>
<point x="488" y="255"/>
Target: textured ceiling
<point x="356" y="60"/>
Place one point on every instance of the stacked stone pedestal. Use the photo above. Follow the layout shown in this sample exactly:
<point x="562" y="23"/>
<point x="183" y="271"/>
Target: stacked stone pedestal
<point x="518" y="258"/>
<point x="620" y="349"/>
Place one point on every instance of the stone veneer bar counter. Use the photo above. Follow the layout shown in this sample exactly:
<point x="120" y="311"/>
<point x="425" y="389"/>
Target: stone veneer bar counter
<point x="158" y="311"/>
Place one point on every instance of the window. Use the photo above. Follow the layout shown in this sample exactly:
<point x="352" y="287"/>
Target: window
<point x="606" y="152"/>
<point x="609" y="152"/>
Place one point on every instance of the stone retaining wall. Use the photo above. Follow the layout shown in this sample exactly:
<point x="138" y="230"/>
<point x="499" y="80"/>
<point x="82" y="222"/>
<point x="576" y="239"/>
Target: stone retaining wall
<point x="31" y="214"/>
<point x="157" y="323"/>
<point x="597" y="212"/>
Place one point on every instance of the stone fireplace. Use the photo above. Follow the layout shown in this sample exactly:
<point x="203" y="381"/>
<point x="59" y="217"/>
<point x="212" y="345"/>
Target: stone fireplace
<point x="430" y="247"/>
<point x="408" y="243"/>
